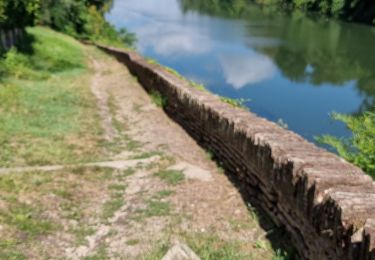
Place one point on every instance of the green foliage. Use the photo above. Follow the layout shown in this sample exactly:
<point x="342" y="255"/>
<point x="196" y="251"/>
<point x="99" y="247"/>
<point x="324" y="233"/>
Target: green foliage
<point x="158" y="99"/>
<point x="360" y="148"/>
<point x="238" y="103"/>
<point x="18" y="13"/>
<point x="357" y="10"/>
<point x="83" y="19"/>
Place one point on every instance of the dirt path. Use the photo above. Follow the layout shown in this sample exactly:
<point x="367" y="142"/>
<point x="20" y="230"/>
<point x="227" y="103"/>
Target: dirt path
<point x="160" y="188"/>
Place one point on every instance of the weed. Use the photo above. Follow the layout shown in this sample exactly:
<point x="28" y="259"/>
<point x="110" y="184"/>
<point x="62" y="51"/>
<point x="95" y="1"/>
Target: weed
<point x="132" y="242"/>
<point x="81" y="233"/>
<point x="146" y="155"/>
<point x="261" y="244"/>
<point x="117" y="187"/>
<point x="158" y="251"/>
<point x="213" y="247"/>
<point x="101" y="254"/>
<point x="125" y="173"/>
<point x="152" y="61"/>
<point x="237" y="103"/>
<point x="133" y="145"/>
<point x="172" y="177"/>
<point x="25" y="219"/>
<point x="157" y="208"/>
<point x="239" y="225"/>
<point x="111" y="206"/>
<point x="163" y="194"/>
<point x="154" y="209"/>
<point x="198" y="86"/>
<point x="173" y="71"/>
<point x="158" y="99"/>
<point x="8" y="250"/>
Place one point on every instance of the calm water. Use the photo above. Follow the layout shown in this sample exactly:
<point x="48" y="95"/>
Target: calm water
<point x="289" y="66"/>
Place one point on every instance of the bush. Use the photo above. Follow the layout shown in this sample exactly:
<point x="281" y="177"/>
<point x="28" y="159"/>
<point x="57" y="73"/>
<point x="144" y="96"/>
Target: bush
<point x="360" y="148"/>
<point x="82" y="19"/>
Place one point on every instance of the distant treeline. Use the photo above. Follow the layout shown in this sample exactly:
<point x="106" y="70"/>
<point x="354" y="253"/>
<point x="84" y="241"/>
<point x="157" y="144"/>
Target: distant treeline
<point x="355" y="10"/>
<point x="351" y="10"/>
<point x="82" y="19"/>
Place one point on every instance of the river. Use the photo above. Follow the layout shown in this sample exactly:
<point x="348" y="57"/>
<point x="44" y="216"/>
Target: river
<point x="288" y="67"/>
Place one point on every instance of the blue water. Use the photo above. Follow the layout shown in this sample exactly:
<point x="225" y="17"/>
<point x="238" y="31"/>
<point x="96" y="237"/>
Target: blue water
<point x="289" y="67"/>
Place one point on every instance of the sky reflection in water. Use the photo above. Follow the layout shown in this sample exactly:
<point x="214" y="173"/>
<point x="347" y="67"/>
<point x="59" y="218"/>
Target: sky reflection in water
<point x="292" y="68"/>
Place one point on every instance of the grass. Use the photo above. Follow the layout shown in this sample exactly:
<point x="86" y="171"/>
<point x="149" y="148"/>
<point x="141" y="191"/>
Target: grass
<point x="236" y="103"/>
<point x="163" y="194"/>
<point x="212" y="247"/>
<point x="147" y="155"/>
<point x="81" y="233"/>
<point x="172" y="177"/>
<point x="26" y="219"/>
<point x="154" y="208"/>
<point x="132" y="242"/>
<point x="8" y="250"/>
<point x="100" y="254"/>
<point x="48" y="112"/>
<point x="111" y="206"/>
<point x="39" y="205"/>
<point x="158" y="99"/>
<point x="157" y="209"/>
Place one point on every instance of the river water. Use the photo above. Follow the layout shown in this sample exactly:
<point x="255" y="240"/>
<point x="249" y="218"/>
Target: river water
<point x="290" y="68"/>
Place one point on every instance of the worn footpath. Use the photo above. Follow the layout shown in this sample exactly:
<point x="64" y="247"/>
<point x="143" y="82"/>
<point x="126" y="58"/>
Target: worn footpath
<point x="156" y="189"/>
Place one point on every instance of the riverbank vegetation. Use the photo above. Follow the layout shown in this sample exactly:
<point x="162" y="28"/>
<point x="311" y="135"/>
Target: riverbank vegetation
<point x="351" y="10"/>
<point x="360" y="148"/>
<point x="82" y="19"/>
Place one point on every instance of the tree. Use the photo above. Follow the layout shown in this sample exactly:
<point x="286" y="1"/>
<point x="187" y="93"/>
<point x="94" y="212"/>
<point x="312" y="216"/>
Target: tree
<point x="18" y="13"/>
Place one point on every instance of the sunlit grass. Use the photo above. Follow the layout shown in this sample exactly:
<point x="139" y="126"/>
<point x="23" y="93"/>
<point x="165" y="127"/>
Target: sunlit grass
<point x="47" y="111"/>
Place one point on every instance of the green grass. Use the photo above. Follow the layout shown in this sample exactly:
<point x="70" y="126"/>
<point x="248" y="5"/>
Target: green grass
<point x="48" y="112"/>
<point x="157" y="208"/>
<point x="111" y="206"/>
<point x="132" y="242"/>
<point x="172" y="177"/>
<point x="117" y="187"/>
<point x="163" y="194"/>
<point x="35" y="206"/>
<point x="101" y="254"/>
<point x="154" y="208"/>
<point x="8" y="250"/>
<point x="81" y="233"/>
<point x="212" y="247"/>
<point x="25" y="218"/>
<point x="158" y="99"/>
<point x="236" y="103"/>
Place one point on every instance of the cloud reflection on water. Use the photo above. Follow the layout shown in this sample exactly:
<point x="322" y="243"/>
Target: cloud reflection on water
<point x="243" y="69"/>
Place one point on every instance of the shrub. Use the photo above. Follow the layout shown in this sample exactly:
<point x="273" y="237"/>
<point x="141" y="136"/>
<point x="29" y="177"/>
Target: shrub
<point x="360" y="148"/>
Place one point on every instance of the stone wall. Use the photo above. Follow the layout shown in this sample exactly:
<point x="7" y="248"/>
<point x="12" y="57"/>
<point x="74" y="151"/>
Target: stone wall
<point x="325" y="203"/>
